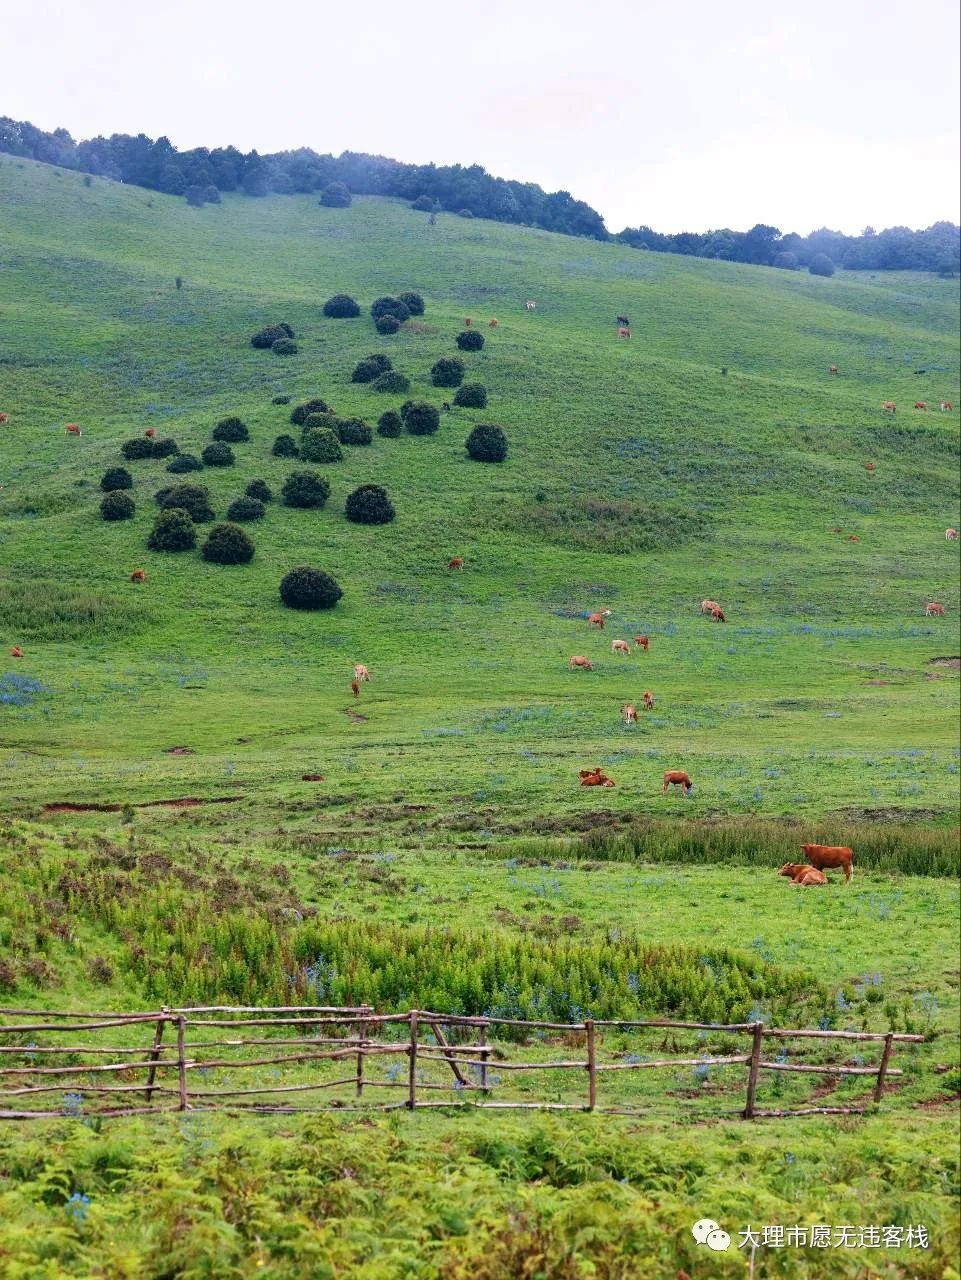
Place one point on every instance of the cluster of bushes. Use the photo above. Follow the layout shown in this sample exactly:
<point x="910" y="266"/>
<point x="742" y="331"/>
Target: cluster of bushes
<point x="271" y="335"/>
<point x="140" y="447"/>
<point x="300" y="414"/>
<point x="419" y="418"/>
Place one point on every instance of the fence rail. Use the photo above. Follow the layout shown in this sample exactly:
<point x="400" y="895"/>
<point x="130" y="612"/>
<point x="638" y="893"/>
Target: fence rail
<point x="345" y="1039"/>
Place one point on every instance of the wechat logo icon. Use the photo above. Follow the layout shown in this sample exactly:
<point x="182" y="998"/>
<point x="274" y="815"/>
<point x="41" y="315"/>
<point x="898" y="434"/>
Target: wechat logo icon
<point x="707" y="1231"/>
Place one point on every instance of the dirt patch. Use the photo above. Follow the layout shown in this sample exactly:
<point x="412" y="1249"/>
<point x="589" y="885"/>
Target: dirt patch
<point x="941" y="1101"/>
<point x="878" y="683"/>
<point x="181" y="802"/>
<point x="953" y="664"/>
<point x="178" y="751"/>
<point x="892" y="813"/>
<point x="312" y="777"/>
<point x="355" y="715"/>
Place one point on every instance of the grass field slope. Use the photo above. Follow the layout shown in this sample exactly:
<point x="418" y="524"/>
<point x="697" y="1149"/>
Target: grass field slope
<point x="440" y="850"/>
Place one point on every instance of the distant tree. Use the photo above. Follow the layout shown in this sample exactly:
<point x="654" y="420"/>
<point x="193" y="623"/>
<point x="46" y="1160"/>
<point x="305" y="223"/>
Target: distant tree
<point x="821" y="265"/>
<point x="195" y="196"/>
<point x="786" y="260"/>
<point x="335" y="196"/>
<point x="423" y="204"/>
<point x="211" y="194"/>
<point x="254" y="181"/>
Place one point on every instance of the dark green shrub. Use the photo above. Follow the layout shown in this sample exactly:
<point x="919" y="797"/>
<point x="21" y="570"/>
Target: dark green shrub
<point x="281" y="400"/>
<point x="117" y="506"/>
<point x="369" y="505"/>
<point x="228" y="544"/>
<point x="423" y="204"/>
<point x="307" y="588"/>
<point x="284" y="347"/>
<point x="390" y="424"/>
<point x="243" y="509"/>
<point x="184" y="462"/>
<point x="174" y="531"/>
<point x="471" y="396"/>
<point x="341" y="307"/>
<point x="391" y="381"/>
<point x="448" y="371"/>
<point x="260" y="490"/>
<point x="192" y="498"/>
<point x="421" y="419"/>
<point x="305" y="489"/>
<point x="386" y="325"/>
<point x="821" y="265"/>
<point x="299" y="415"/>
<point x="470" y="340"/>
<point x="405" y="408"/>
<point x="371" y="367"/>
<point x="319" y="444"/>
<point x="353" y="431"/>
<point x="464" y="213"/>
<point x="390" y="307"/>
<point x="487" y="444"/>
<point x="231" y="430"/>
<point x="271" y="334"/>
<point x="413" y="302"/>
<point x="335" y="196"/>
<point x="786" y="260"/>
<point x="218" y="455"/>
<point x="164" y="448"/>
<point x="116" y="478"/>
<point x="315" y="420"/>
<point x="138" y="447"/>
<point x="285" y="447"/>
<point x="161" y="494"/>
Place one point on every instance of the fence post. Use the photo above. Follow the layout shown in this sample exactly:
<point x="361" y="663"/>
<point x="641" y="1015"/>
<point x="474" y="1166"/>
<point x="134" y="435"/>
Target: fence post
<point x="483" y="1054"/>
<point x="753" y="1070"/>
<point x="361" y="1036"/>
<point x="883" y="1068"/>
<point x="182" y="1061"/>
<point x="412" y="1064"/>
<point x="591" y="1065"/>
<point x="155" y="1052"/>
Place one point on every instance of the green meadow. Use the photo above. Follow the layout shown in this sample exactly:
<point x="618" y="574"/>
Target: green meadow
<point x="446" y="856"/>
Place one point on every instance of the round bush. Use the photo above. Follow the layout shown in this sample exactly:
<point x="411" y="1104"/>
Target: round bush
<point x="413" y="302"/>
<point x="371" y="367"/>
<point x="319" y="444"/>
<point x="369" y="505"/>
<point x="464" y="213"/>
<point x="335" y="196"/>
<point x="307" y="588"/>
<point x="228" y="544"/>
<point x="284" y="347"/>
<point x="405" y="408"/>
<point x="447" y="372"/>
<point x="386" y="325"/>
<point x="315" y="420"/>
<point x="184" y="462"/>
<point x="353" y="431"/>
<point x="470" y="340"/>
<point x="117" y="506"/>
<point x="300" y="415"/>
<point x="116" y="478"/>
<point x="421" y="419"/>
<point x="271" y="334"/>
<point x="260" y="490"/>
<point x="243" y="509"/>
<point x="391" y="381"/>
<point x="305" y="489"/>
<point x="174" y="531"/>
<point x="341" y="307"/>
<point x="471" y="396"/>
<point x="218" y="455"/>
<point x="192" y="498"/>
<point x="423" y="204"/>
<point x="164" y="448"/>
<point x="821" y="265"/>
<point x="138" y="447"/>
<point x="281" y="400"/>
<point x="285" y="447"/>
<point x="390" y="424"/>
<point x="390" y="307"/>
<point x="231" y="431"/>
<point x="487" y="444"/>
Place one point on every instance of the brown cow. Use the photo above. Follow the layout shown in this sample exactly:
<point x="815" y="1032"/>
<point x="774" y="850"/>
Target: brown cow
<point x="837" y="529"/>
<point x="934" y="610"/>
<point x="355" y="688"/>
<point x="793" y="869"/>
<point x="445" y="407"/>
<point x="869" y="466"/>
<point x="825" y="856"/>
<point x="492" y="323"/>
<point x="5" y="417"/>
<point x="623" y="333"/>
<point x="946" y="407"/>
<point x="853" y="537"/>
<point x="597" y="619"/>
<point x="677" y="778"/>
<point x="832" y="368"/>
<point x="707" y="606"/>
<point x="717" y="614"/>
<point x="950" y="535"/>
<point x="889" y="406"/>
<point x="312" y="777"/>
<point x="150" y="433"/>
<point x="139" y="575"/>
<point x="642" y="642"/>
<point x="595" y="778"/>
<point x="72" y="429"/>
<point x="811" y="876"/>
<point x="468" y="321"/>
<point x="16" y="652"/>
<point x="620" y="646"/>
<point x="456" y="563"/>
<point x="578" y="661"/>
<point x="920" y="404"/>
<point x="648" y="700"/>
<point x="361" y="672"/>
<point x="629" y="712"/>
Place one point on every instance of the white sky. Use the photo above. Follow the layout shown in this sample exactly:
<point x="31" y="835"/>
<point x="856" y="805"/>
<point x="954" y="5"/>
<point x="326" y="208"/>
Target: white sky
<point x="684" y="115"/>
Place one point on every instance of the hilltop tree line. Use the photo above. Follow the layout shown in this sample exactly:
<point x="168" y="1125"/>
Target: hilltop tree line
<point x="201" y="174"/>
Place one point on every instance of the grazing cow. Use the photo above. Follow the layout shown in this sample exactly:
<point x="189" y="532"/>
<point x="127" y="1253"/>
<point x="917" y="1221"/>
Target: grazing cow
<point x="811" y="876"/>
<point x="355" y="688"/>
<point x="72" y="430"/>
<point x="869" y="466"/>
<point x="793" y="869"/>
<point x="889" y="406"/>
<point x="832" y="368"/>
<point x="492" y="323"/>
<point x="837" y="529"/>
<point x="853" y="537"/>
<point x="620" y="646"/>
<point x="920" y="404"/>
<point x="724" y="372"/>
<point x="16" y="652"/>
<point x="361" y="672"/>
<point x="312" y="777"/>
<point x="677" y="778"/>
<point x="456" y="563"/>
<point x="642" y="642"/>
<point x="629" y="712"/>
<point x="150" y="433"/>
<point x="825" y="856"/>
<point x="707" y="606"/>
<point x="139" y="575"/>
<point x="717" y="614"/>
<point x="946" y="407"/>
<point x="934" y="610"/>
<point x="950" y="535"/>
<point x="595" y="778"/>
<point x="623" y="320"/>
<point x="597" y="619"/>
<point x="623" y="333"/>
<point x="578" y="660"/>
<point x="530" y="304"/>
<point x="648" y="700"/>
<point x="5" y="417"/>
<point x="468" y="321"/>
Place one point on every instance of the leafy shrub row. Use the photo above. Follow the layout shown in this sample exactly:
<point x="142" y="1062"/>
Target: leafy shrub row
<point x="271" y="334"/>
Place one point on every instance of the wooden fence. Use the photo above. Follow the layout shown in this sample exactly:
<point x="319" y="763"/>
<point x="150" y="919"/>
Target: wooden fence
<point x="166" y="1068"/>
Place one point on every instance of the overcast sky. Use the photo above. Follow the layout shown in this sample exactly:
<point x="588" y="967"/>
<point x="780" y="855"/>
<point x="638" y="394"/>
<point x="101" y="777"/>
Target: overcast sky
<point x="686" y="115"/>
